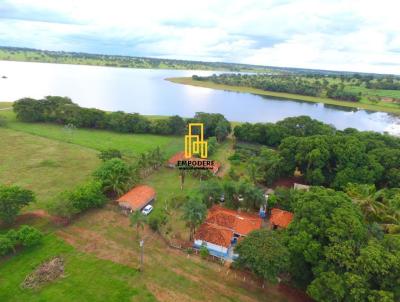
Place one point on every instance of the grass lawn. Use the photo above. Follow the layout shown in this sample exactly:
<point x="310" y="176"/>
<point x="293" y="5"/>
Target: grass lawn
<point x="87" y="278"/>
<point x="169" y="274"/>
<point x="362" y="105"/>
<point x="45" y="166"/>
<point x="129" y="144"/>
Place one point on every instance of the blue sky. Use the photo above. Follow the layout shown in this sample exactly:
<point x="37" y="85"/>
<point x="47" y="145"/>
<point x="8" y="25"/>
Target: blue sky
<point x="356" y="35"/>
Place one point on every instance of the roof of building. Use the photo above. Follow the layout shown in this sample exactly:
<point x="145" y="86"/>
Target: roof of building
<point x="138" y="197"/>
<point x="177" y="157"/>
<point x="221" y="223"/>
<point x="181" y="156"/>
<point x="239" y="222"/>
<point x="280" y="217"/>
<point x="214" y="234"/>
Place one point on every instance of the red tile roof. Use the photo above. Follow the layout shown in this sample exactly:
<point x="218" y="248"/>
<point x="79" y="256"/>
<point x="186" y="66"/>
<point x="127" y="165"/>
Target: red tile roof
<point x="137" y="198"/>
<point x="222" y="223"/>
<point x="214" y="234"/>
<point x="280" y="218"/>
<point x="181" y="156"/>
<point x="177" y="157"/>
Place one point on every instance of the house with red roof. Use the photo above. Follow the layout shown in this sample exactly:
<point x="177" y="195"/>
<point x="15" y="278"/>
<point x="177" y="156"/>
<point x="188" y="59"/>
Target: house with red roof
<point x="280" y="218"/>
<point x="222" y="228"/>
<point x="137" y="198"/>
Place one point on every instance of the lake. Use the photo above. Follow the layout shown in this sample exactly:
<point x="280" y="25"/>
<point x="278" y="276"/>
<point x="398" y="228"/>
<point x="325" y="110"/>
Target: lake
<point x="145" y="91"/>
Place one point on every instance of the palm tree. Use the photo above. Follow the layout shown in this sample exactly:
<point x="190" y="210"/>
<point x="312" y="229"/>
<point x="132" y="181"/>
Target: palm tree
<point x="138" y="220"/>
<point x="194" y="212"/>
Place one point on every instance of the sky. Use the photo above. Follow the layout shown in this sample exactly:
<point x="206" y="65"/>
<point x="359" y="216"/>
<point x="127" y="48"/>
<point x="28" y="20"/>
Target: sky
<point x="351" y="35"/>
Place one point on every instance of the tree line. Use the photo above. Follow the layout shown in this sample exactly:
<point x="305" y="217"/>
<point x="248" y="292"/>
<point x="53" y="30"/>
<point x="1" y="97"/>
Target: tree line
<point x="288" y="83"/>
<point x="322" y="154"/>
<point x="61" y="110"/>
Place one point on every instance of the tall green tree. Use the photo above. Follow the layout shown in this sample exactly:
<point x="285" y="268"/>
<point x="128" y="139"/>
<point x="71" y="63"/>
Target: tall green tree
<point x="264" y="252"/>
<point x="194" y="213"/>
<point x="12" y="200"/>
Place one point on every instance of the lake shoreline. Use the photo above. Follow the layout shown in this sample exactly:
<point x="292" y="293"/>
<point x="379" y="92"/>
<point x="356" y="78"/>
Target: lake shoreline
<point x="286" y="96"/>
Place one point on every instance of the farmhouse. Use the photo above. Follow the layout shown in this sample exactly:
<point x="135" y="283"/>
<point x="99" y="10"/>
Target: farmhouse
<point x="280" y="218"/>
<point x="137" y="198"/>
<point x="222" y="228"/>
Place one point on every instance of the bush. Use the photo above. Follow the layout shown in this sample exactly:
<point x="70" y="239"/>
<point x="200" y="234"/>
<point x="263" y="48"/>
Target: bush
<point x="204" y="253"/>
<point x="12" y="199"/>
<point x="157" y="219"/>
<point x="110" y="154"/>
<point x="29" y="236"/>
<point x="26" y="236"/>
<point x="87" y="196"/>
<point x="84" y="197"/>
<point x="62" y="206"/>
<point x="6" y="245"/>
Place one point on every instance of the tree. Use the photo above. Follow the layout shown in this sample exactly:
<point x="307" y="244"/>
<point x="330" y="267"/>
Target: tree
<point x="264" y="252"/>
<point x="29" y="236"/>
<point x="87" y="196"/>
<point x="12" y="199"/>
<point x="194" y="212"/>
<point x="328" y="287"/>
<point x="222" y="130"/>
<point x="138" y="220"/>
<point x="115" y="176"/>
<point x="157" y="219"/>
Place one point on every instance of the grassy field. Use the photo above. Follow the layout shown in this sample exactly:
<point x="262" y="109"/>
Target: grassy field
<point x="45" y="166"/>
<point x="364" y="104"/>
<point x="100" y="247"/>
<point x="129" y="144"/>
<point x="86" y="278"/>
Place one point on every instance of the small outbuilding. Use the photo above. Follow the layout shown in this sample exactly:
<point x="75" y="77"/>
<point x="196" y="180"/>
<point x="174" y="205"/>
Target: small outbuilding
<point x="280" y="218"/>
<point x="137" y="198"/>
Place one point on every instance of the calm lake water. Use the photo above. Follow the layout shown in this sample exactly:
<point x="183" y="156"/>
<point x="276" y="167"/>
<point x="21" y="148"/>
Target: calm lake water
<point x="145" y="91"/>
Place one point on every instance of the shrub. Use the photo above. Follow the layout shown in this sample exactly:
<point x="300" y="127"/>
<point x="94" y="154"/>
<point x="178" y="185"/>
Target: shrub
<point x="109" y="154"/>
<point x="29" y="236"/>
<point x="87" y="196"/>
<point x="204" y="253"/>
<point x="157" y="219"/>
<point x="12" y="199"/>
<point x="189" y="250"/>
<point x="6" y="245"/>
<point x="62" y="206"/>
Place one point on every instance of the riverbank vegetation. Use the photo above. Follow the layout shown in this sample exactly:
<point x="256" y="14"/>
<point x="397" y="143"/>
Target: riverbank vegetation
<point x="370" y="99"/>
<point x="61" y="110"/>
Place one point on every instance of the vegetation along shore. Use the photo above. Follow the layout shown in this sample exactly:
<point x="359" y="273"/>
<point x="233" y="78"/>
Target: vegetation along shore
<point x="380" y="105"/>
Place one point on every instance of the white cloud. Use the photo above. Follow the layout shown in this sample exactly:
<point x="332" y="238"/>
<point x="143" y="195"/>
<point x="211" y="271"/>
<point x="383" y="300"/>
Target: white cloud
<point x="357" y="35"/>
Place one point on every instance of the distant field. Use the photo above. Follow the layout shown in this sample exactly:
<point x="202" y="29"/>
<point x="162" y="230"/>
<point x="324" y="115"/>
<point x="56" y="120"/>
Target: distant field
<point x="130" y="144"/>
<point x="364" y="104"/>
<point x="45" y="166"/>
<point x="5" y="105"/>
<point x="87" y="278"/>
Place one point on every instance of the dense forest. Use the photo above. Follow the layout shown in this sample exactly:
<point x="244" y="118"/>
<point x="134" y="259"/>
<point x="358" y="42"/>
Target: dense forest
<point x="61" y="110"/>
<point x="322" y="154"/>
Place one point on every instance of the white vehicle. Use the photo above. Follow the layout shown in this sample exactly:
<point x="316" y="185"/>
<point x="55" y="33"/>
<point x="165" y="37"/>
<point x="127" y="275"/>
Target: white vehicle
<point x="147" y="209"/>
